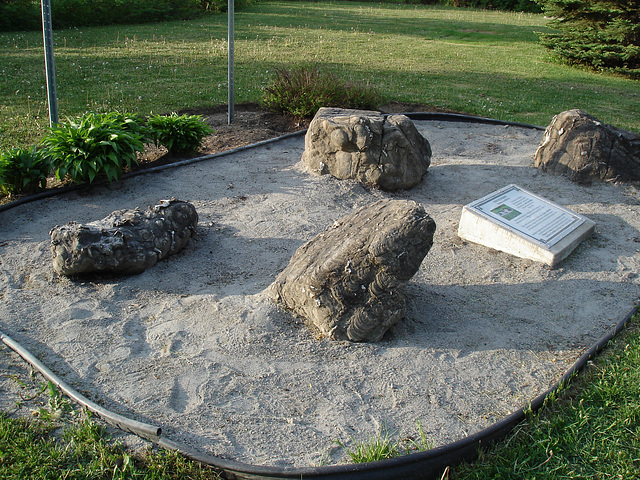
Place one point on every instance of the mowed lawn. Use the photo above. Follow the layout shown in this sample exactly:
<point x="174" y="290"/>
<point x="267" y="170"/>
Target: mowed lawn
<point x="477" y="62"/>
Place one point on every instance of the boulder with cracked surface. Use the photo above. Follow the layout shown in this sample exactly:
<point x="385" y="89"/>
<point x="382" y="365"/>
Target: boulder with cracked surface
<point x="584" y="149"/>
<point x="386" y="152"/>
<point x="348" y="282"/>
<point x="124" y="242"/>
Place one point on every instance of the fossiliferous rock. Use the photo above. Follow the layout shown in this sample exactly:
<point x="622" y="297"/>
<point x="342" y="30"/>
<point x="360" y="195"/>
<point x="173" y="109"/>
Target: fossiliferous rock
<point x="126" y="241"/>
<point x="581" y="147"/>
<point x="349" y="281"/>
<point x="383" y="151"/>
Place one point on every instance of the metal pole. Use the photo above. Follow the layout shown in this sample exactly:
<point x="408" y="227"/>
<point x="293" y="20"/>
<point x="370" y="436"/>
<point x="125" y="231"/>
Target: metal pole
<point x="230" y="52"/>
<point x="48" y="62"/>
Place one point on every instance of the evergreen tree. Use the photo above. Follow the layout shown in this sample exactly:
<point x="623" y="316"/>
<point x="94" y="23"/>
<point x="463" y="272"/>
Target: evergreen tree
<point x="596" y="33"/>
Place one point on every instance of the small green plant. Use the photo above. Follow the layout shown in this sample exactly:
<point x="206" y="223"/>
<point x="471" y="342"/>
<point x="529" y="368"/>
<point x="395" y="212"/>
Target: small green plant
<point x="377" y="448"/>
<point x="178" y="133"/>
<point x="29" y="390"/>
<point x="23" y="171"/>
<point x="382" y="447"/>
<point x="57" y="405"/>
<point x="96" y="145"/>
<point x="422" y="444"/>
<point x="301" y="91"/>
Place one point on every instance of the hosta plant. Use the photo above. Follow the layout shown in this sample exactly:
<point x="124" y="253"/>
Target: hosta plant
<point x="178" y="133"/>
<point x="96" y="145"/>
<point x="23" y="171"/>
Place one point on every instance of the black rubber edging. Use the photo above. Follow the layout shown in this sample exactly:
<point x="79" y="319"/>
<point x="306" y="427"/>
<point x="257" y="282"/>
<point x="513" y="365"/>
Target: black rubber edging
<point x="421" y="465"/>
<point x="416" y="466"/>
<point x="150" y="432"/>
<point x="459" y="117"/>
<point x="425" y="116"/>
<point x="82" y="186"/>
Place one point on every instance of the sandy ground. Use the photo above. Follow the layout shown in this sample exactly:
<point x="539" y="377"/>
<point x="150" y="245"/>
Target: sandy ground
<point x="195" y="346"/>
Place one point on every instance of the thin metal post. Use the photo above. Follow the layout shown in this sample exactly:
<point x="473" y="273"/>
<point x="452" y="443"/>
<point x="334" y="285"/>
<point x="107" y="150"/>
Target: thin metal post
<point x="230" y="53"/>
<point x="49" y="66"/>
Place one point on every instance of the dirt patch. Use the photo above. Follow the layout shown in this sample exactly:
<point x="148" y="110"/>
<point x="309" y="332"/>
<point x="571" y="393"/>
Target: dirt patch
<point x="251" y="124"/>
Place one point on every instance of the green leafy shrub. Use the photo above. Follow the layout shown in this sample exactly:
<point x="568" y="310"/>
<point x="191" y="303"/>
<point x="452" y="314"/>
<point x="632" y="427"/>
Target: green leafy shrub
<point x="600" y="34"/>
<point x="20" y="15"/>
<point x="505" y="5"/>
<point x="178" y="133"/>
<point x="218" y="6"/>
<point x="301" y="91"/>
<point x="96" y="145"/>
<point x="25" y="14"/>
<point x="73" y="13"/>
<point x="23" y="171"/>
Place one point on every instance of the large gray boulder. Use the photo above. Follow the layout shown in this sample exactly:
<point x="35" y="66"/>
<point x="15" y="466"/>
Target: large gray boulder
<point x="584" y="149"/>
<point x="386" y="152"/>
<point x="125" y="242"/>
<point x="348" y="282"/>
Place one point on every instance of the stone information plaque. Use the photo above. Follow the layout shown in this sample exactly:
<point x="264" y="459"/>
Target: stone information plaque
<point x="521" y="223"/>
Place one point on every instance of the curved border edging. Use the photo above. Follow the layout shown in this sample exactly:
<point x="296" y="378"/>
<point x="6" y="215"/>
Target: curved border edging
<point x="446" y="117"/>
<point x="62" y="190"/>
<point x="459" y="117"/>
<point x="420" y="465"/>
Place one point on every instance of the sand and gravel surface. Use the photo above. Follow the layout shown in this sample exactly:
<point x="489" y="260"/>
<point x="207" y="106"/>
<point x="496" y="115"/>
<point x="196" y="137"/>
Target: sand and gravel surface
<point x="195" y="346"/>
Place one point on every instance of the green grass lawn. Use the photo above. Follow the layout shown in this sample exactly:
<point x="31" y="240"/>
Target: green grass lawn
<point x="483" y="63"/>
<point x="81" y="451"/>
<point x="477" y="62"/>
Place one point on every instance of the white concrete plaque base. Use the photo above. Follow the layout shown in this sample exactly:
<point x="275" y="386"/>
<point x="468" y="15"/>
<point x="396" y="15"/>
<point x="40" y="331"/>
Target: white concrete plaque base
<point x="523" y="224"/>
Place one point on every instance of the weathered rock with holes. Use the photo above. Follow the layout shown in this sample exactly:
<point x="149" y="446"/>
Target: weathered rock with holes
<point x="348" y="282"/>
<point x="125" y="242"/>
<point x="382" y="151"/>
<point x="581" y="147"/>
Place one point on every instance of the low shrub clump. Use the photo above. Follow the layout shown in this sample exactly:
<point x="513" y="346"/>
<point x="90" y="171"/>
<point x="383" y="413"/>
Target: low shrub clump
<point x="301" y="91"/>
<point x="178" y="133"/>
<point x="23" y="171"/>
<point x="98" y="144"/>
